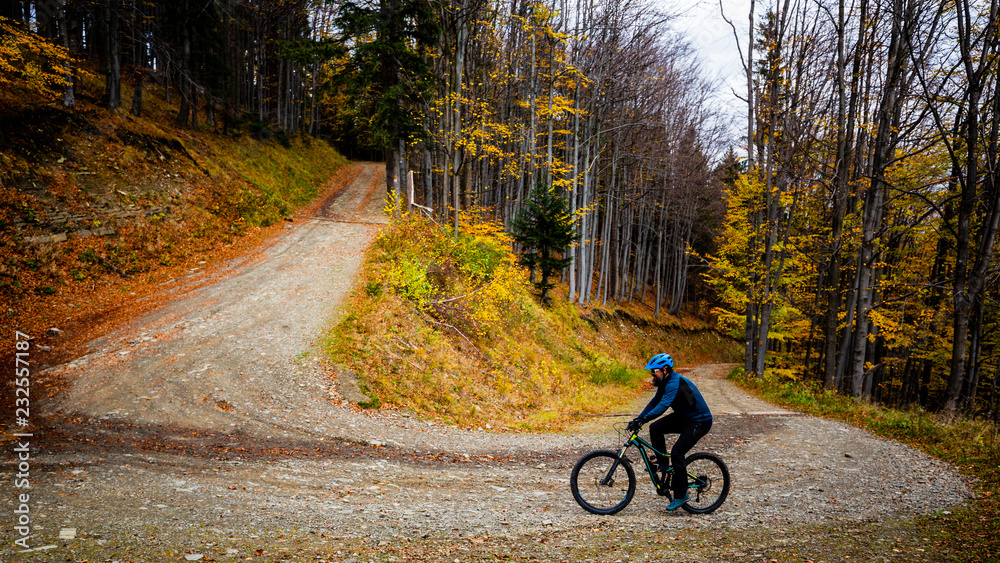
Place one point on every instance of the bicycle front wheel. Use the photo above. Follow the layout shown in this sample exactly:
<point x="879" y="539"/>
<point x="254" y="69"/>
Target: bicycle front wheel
<point x="708" y="482"/>
<point x="602" y="483"/>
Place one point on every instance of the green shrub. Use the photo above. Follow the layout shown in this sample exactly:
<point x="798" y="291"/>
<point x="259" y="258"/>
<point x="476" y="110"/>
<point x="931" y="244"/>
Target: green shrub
<point x="408" y="276"/>
<point x="477" y="258"/>
<point x="89" y="256"/>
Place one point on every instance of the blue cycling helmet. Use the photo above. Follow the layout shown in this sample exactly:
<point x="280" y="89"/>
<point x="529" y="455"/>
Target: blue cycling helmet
<point x="660" y="361"/>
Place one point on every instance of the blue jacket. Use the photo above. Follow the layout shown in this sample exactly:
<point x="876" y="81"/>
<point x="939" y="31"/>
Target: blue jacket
<point x="678" y="392"/>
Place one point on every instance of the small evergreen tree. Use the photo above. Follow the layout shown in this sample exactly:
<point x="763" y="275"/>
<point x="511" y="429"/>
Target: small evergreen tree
<point x="544" y="228"/>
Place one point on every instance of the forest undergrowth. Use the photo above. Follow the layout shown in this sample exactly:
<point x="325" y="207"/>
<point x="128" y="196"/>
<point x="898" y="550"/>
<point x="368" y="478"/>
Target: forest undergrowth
<point x="98" y="207"/>
<point x="451" y="328"/>
<point x="971" y="444"/>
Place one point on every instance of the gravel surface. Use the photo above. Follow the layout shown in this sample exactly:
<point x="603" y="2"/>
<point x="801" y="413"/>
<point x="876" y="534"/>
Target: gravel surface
<point x="209" y="431"/>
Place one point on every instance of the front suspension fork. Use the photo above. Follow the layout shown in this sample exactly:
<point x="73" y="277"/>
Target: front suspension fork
<point x="609" y="478"/>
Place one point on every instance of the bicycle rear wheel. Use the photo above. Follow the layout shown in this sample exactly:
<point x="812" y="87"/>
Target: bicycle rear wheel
<point x="708" y="483"/>
<point x="599" y="490"/>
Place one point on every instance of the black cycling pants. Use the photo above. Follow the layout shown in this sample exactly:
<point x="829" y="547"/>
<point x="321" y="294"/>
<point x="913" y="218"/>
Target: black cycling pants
<point x="690" y="432"/>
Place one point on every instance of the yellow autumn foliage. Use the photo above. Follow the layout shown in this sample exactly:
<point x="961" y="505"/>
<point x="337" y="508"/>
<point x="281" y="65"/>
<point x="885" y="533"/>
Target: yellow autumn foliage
<point x="446" y="325"/>
<point x="30" y="65"/>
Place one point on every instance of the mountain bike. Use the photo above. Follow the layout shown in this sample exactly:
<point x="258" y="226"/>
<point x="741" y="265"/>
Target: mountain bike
<point x="603" y="481"/>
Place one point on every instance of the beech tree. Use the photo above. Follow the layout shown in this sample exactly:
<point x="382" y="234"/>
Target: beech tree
<point x="979" y="197"/>
<point x="886" y="158"/>
<point x="20" y="72"/>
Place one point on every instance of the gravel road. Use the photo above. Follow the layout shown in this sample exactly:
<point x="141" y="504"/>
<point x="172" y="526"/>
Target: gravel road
<point x="208" y="430"/>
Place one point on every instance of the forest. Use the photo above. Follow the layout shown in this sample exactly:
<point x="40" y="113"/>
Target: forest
<point x="848" y="238"/>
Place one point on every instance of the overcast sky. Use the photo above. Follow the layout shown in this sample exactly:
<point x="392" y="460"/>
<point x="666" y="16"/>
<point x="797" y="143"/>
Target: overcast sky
<point x="713" y="38"/>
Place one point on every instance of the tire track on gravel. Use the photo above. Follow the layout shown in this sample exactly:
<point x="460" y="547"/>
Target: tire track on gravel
<point x="236" y="355"/>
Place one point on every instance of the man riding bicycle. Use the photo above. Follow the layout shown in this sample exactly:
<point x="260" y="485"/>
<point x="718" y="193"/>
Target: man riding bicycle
<point x="691" y="419"/>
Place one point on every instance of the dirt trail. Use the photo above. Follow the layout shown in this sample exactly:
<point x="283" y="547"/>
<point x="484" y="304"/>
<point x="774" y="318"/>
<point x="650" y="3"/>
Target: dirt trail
<point x="207" y="428"/>
<point x="238" y="355"/>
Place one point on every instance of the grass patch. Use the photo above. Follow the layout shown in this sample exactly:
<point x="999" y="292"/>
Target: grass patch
<point x="615" y="375"/>
<point x="971" y="445"/>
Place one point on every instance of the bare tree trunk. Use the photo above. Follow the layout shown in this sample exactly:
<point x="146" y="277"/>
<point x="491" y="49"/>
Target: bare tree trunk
<point x="110" y="54"/>
<point x="69" y="96"/>
<point x="575" y="191"/>
<point x="185" y="79"/>
<point x="846" y="112"/>
<point x="457" y="152"/>
<point x="969" y="281"/>
<point x="683" y="260"/>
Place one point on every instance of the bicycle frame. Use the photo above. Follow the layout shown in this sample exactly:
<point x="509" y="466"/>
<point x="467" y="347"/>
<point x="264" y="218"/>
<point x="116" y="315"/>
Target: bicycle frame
<point x="641" y="444"/>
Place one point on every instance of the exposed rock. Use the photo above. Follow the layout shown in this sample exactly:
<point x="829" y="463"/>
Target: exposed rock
<point x="348" y="387"/>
